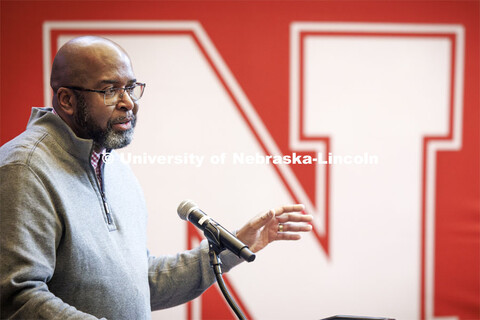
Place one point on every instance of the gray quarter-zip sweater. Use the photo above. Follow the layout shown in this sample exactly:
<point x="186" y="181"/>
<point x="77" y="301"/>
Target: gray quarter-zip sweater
<point x="62" y="255"/>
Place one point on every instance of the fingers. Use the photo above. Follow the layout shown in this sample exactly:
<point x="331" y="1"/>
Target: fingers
<point x="294" y="217"/>
<point x="261" y="220"/>
<point x="292" y="213"/>
<point x="291" y="231"/>
<point x="295" y="227"/>
<point x="283" y="214"/>
<point x="292" y="221"/>
<point x="289" y="208"/>
<point x="288" y="236"/>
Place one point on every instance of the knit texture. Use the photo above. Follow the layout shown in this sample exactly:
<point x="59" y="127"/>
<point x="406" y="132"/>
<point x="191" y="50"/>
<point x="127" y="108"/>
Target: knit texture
<point x="61" y="258"/>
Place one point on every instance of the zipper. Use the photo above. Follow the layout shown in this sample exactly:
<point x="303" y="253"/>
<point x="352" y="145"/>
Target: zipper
<point x="104" y="199"/>
<point x="108" y="214"/>
<point x="107" y="209"/>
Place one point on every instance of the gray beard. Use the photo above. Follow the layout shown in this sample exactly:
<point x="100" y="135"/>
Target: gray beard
<point x="104" y="138"/>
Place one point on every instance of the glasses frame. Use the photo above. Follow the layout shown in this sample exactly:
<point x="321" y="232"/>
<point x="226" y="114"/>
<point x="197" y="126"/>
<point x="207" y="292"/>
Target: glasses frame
<point x="137" y="84"/>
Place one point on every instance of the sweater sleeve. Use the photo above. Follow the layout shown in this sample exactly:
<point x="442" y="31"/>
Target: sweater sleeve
<point x="30" y="232"/>
<point x="178" y="279"/>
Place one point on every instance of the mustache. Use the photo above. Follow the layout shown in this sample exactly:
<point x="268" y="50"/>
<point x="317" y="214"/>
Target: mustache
<point x="123" y="119"/>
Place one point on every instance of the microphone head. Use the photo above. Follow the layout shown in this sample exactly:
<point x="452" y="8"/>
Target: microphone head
<point x="185" y="207"/>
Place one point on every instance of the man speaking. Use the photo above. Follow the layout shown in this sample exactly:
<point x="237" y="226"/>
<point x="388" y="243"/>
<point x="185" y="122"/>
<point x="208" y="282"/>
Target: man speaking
<point x="73" y="228"/>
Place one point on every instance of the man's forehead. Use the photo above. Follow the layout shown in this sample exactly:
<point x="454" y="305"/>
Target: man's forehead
<point x="111" y="70"/>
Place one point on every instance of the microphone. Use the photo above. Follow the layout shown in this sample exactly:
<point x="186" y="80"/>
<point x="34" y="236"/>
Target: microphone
<point x="188" y="210"/>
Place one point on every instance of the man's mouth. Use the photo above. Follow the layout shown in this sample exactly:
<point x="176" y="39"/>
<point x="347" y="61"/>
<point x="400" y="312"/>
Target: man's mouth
<point x="122" y="124"/>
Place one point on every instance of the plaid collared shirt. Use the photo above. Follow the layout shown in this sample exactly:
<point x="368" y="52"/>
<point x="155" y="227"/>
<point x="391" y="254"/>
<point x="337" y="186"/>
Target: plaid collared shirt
<point x="96" y="160"/>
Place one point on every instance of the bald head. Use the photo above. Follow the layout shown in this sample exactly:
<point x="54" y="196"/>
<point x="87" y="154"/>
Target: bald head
<point x="85" y="58"/>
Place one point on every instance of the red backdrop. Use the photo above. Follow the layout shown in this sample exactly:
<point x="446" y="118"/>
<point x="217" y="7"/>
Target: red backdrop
<point x="253" y="39"/>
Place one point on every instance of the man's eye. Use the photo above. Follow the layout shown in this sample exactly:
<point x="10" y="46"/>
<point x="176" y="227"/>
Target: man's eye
<point x="110" y="91"/>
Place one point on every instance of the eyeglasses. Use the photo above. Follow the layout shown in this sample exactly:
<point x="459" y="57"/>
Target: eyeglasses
<point x="111" y="96"/>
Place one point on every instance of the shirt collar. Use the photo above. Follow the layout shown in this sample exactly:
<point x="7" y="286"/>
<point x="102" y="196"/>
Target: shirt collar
<point x="95" y="156"/>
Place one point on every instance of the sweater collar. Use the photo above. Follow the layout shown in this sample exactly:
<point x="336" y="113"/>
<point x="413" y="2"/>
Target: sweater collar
<point x="44" y="119"/>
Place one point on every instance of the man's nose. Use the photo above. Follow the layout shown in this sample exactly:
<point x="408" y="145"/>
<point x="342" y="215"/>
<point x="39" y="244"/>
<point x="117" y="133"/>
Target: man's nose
<point x="125" y="101"/>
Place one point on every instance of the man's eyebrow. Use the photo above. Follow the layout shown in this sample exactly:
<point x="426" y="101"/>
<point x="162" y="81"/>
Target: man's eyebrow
<point x="108" y="81"/>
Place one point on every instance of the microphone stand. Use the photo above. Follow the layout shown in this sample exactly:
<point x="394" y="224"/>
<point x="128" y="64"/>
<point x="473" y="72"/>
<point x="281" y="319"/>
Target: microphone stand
<point x="214" y="250"/>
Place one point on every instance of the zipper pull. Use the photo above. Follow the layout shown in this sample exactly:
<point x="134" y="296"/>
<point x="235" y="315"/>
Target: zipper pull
<point x="107" y="209"/>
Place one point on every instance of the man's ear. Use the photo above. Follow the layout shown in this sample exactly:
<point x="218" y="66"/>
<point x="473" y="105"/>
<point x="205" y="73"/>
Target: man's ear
<point x="66" y="100"/>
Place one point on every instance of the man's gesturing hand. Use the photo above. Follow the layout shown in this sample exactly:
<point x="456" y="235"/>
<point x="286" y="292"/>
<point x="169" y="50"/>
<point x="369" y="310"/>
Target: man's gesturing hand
<point x="283" y="223"/>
